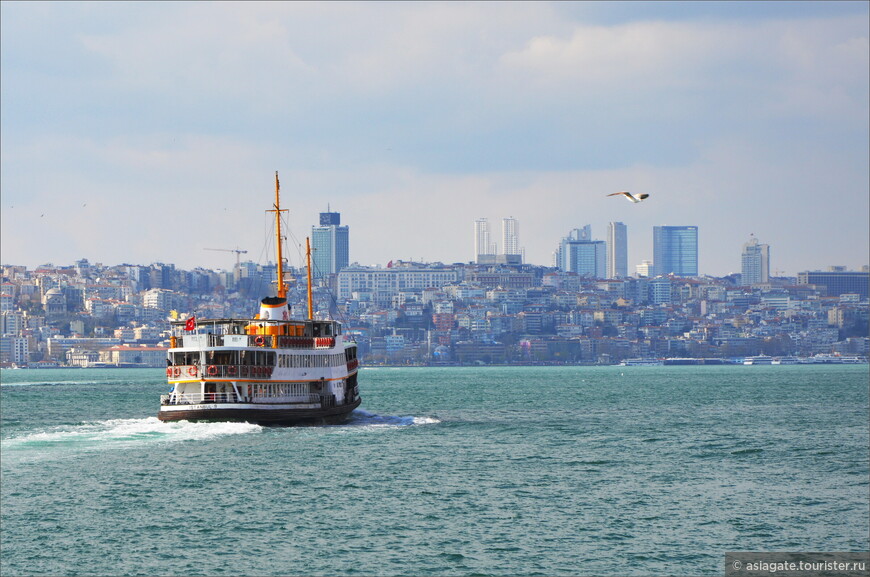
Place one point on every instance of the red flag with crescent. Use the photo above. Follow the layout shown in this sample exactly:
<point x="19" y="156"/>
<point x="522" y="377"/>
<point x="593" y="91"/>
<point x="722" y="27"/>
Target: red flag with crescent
<point x="190" y="324"/>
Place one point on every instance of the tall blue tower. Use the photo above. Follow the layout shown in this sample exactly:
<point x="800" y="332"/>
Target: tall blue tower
<point x="330" y="244"/>
<point x="675" y="250"/>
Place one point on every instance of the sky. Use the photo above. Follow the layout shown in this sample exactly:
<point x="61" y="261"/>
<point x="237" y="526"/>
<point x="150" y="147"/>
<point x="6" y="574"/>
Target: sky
<point x="142" y="132"/>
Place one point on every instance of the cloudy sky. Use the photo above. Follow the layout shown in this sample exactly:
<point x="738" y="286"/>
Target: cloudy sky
<point x="148" y="132"/>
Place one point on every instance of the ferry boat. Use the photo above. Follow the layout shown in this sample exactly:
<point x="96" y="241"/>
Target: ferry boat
<point x="835" y="359"/>
<point x="758" y="360"/>
<point x="642" y="363"/>
<point x="268" y="369"/>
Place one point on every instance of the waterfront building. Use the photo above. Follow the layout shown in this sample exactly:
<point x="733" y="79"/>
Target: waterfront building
<point x="57" y="347"/>
<point x="330" y="245"/>
<point x="617" y="250"/>
<point x="14" y="349"/>
<point x="141" y="355"/>
<point x="675" y="250"/>
<point x="755" y="263"/>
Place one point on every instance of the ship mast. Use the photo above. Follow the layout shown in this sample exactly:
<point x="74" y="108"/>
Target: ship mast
<point x="282" y="287"/>
<point x="308" y="258"/>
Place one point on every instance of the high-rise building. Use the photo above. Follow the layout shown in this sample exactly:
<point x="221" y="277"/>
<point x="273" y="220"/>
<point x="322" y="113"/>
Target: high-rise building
<point x="330" y="245"/>
<point x="675" y="250"/>
<point x="755" y="263"/>
<point x="510" y="235"/>
<point x="579" y="254"/>
<point x="617" y="250"/>
<point x="328" y="218"/>
<point x="644" y="269"/>
<point x="482" y="243"/>
<point x="838" y="281"/>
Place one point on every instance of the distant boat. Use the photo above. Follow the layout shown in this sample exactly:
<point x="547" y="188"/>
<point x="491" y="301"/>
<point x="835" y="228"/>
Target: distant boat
<point x="268" y="369"/>
<point x="642" y="363"/>
<point x="758" y="360"/>
<point x="826" y="359"/>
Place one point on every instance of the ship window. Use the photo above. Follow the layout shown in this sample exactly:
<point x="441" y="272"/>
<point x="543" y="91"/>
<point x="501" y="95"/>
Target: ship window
<point x="188" y="358"/>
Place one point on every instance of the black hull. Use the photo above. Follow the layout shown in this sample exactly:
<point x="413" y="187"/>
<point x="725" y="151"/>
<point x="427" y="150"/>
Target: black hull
<point x="277" y="417"/>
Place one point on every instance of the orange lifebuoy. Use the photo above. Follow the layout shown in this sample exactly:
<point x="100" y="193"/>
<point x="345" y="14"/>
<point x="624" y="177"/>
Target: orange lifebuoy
<point x="212" y="370"/>
<point x="176" y="371"/>
<point x="191" y="370"/>
<point x="169" y="371"/>
<point x="259" y="341"/>
<point x="231" y="370"/>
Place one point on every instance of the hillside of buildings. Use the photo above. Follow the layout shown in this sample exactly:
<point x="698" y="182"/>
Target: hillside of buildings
<point x="431" y="313"/>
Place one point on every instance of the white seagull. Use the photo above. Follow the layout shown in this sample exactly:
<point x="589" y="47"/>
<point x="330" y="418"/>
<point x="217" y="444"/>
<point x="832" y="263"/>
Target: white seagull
<point x="632" y="197"/>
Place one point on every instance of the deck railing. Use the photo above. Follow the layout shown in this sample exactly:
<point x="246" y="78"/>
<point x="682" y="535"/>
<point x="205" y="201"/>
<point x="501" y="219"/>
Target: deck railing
<point x="194" y="372"/>
<point x="266" y="341"/>
<point x="325" y="401"/>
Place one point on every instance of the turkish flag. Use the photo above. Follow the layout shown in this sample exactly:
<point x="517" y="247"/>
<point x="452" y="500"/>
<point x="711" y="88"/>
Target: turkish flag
<point x="190" y="324"/>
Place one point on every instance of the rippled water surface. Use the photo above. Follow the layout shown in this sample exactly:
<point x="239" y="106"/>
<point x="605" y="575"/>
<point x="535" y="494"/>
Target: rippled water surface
<point x="447" y="471"/>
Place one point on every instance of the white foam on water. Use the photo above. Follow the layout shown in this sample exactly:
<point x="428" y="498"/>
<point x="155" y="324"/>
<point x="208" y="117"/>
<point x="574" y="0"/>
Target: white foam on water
<point x="116" y="433"/>
<point x="361" y="417"/>
<point x="54" y="383"/>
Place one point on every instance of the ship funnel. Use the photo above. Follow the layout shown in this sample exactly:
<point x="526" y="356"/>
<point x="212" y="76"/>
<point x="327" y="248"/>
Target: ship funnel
<point x="274" y="309"/>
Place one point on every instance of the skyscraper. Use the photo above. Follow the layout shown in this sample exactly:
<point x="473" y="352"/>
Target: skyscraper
<point x="510" y="235"/>
<point x="755" y="262"/>
<point x="330" y="245"/>
<point x="482" y="243"/>
<point x="578" y="253"/>
<point x="617" y="250"/>
<point x="675" y="250"/>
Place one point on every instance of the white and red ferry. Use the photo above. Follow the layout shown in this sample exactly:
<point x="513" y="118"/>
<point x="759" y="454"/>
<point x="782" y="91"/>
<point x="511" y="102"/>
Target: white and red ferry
<point x="268" y="369"/>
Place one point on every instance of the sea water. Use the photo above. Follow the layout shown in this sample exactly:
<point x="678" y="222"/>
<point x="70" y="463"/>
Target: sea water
<point x="442" y="471"/>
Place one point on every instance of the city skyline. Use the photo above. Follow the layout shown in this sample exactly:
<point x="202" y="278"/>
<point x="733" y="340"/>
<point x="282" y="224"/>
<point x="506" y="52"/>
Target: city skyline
<point x="149" y="132"/>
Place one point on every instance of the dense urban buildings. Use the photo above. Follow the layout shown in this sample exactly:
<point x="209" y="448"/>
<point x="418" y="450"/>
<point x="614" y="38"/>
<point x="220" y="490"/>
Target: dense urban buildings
<point x="584" y="309"/>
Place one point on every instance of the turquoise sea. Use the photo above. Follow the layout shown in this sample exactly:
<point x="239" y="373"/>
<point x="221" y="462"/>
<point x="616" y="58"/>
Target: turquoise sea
<point x="443" y="471"/>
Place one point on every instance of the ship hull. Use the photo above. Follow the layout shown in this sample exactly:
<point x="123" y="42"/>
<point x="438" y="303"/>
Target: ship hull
<point x="271" y="414"/>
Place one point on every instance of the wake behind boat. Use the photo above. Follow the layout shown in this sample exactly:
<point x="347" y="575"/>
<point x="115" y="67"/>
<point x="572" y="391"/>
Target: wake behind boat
<point x="268" y="369"/>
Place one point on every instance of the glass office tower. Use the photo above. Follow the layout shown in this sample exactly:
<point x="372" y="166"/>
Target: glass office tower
<point x="675" y="250"/>
<point x="330" y="245"/>
<point x="617" y="250"/>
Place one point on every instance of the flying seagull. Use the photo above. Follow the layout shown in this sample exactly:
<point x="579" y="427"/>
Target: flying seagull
<point x="632" y="197"/>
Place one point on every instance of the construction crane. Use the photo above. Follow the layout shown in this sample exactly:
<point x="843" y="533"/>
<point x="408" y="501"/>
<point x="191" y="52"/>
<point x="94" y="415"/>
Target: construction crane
<point x="235" y="250"/>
